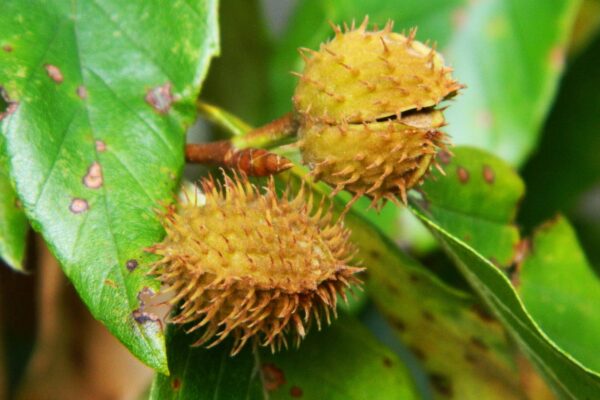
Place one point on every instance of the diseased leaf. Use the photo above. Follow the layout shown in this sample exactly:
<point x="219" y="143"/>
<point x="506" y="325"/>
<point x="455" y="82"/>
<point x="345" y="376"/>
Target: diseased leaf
<point x="344" y="361"/>
<point x="13" y="224"/>
<point x="568" y="377"/>
<point x="199" y="373"/>
<point x="481" y="212"/>
<point x="102" y="92"/>
<point x="337" y="363"/>
<point x="562" y="292"/>
<point x="465" y="352"/>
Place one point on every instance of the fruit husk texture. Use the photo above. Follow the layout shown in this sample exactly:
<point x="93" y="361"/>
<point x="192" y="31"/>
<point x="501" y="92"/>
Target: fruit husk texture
<point x="380" y="160"/>
<point x="251" y="265"/>
<point x="365" y="103"/>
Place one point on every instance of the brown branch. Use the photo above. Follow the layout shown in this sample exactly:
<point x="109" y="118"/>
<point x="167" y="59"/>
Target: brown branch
<point x="253" y="162"/>
<point x="245" y="153"/>
<point x="208" y="153"/>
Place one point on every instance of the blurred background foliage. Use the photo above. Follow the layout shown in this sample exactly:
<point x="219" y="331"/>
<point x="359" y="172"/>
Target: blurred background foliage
<point x="533" y="98"/>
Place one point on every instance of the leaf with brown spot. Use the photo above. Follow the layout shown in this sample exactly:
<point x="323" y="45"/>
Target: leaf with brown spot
<point x="342" y="362"/>
<point x="494" y="49"/>
<point x="540" y="333"/>
<point x="465" y="202"/>
<point x="436" y="322"/>
<point x="199" y="373"/>
<point x="91" y="159"/>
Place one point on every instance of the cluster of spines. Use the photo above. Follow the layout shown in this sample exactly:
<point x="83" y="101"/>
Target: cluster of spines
<point x="437" y="71"/>
<point x="389" y="174"/>
<point x="250" y="305"/>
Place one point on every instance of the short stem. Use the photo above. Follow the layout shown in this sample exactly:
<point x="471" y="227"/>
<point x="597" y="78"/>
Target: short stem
<point x="207" y="153"/>
<point x="269" y="134"/>
<point x="245" y="151"/>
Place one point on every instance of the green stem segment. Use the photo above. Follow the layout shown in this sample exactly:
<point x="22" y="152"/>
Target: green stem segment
<point x="245" y="151"/>
<point x="268" y="135"/>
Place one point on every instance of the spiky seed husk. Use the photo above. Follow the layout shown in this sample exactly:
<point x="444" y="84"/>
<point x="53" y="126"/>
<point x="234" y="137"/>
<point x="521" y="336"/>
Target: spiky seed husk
<point x="382" y="161"/>
<point x="362" y="76"/>
<point x="248" y="264"/>
<point x="365" y="106"/>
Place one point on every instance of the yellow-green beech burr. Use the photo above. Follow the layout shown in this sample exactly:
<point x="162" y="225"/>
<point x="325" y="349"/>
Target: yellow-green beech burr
<point x="250" y="264"/>
<point x="366" y="108"/>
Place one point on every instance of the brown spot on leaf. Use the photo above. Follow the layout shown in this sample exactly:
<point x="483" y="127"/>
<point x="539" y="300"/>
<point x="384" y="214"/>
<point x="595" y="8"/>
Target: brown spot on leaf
<point x="100" y="146"/>
<point x="176" y="383"/>
<point x="428" y="316"/>
<point x="295" y="391"/>
<point x="398" y="324"/>
<point x="445" y="157"/>
<point x="470" y="358"/>
<point x="93" y="177"/>
<point x="463" y="174"/>
<point x="488" y="174"/>
<point x="375" y="254"/>
<point x="557" y="57"/>
<point x="522" y="249"/>
<point x="82" y="92"/>
<point x="11" y="105"/>
<point x="110" y="282"/>
<point x="413" y="278"/>
<point x="78" y="206"/>
<point x="7" y="48"/>
<point x="387" y="362"/>
<point x="441" y="384"/>
<point x="144" y="296"/>
<point x="160" y="98"/>
<point x="142" y="317"/>
<point x="479" y="343"/>
<point x="273" y="376"/>
<point x="392" y="288"/>
<point x="482" y="313"/>
<point x="54" y="73"/>
<point x="131" y="264"/>
<point x="417" y="352"/>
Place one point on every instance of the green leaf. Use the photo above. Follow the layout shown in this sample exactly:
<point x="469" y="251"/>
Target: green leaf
<point x="567" y="376"/>
<point x="199" y="373"/>
<point x="343" y="362"/>
<point x="562" y="292"/>
<point x="103" y="92"/>
<point x="337" y="363"/>
<point x="476" y="201"/>
<point x="13" y="224"/>
<point x="509" y="54"/>
<point x="566" y="166"/>
<point x="465" y="353"/>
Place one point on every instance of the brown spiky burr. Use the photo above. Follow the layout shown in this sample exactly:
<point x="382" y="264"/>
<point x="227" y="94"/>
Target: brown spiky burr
<point x="365" y="104"/>
<point x="251" y="264"/>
